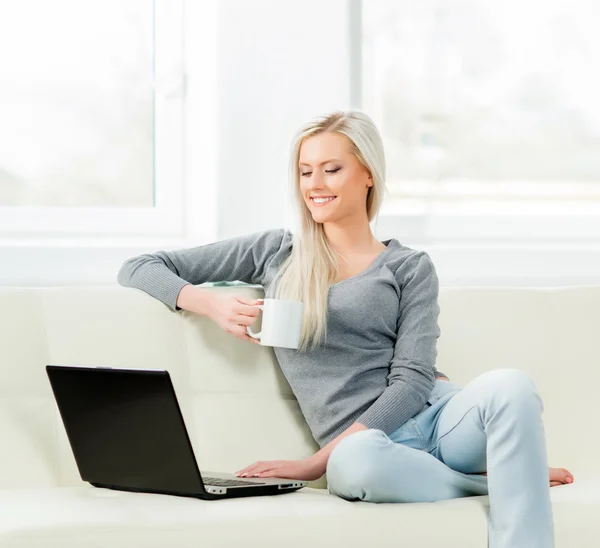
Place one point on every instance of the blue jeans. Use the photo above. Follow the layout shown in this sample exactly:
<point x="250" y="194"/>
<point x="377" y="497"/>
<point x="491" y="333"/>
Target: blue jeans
<point x="493" y="424"/>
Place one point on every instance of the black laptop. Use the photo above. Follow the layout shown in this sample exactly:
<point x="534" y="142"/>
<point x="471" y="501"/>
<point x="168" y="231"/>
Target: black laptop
<point x="127" y="432"/>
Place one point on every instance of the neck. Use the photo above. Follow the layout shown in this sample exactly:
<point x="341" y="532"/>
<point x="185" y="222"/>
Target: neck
<point x="351" y="236"/>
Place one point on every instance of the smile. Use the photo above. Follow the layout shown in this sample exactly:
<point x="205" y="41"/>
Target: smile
<point x="318" y="202"/>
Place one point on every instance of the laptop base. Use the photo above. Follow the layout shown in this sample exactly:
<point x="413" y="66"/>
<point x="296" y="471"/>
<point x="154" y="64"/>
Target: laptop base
<point x="230" y="493"/>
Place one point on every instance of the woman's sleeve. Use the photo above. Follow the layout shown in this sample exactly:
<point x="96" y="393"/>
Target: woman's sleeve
<point x="163" y="274"/>
<point x="412" y="368"/>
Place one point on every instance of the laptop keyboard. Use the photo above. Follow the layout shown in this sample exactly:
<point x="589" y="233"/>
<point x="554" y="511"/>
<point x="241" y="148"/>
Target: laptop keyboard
<point x="220" y="482"/>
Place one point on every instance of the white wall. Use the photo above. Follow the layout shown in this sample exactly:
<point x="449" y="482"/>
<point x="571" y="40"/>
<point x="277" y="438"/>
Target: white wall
<point x="280" y="64"/>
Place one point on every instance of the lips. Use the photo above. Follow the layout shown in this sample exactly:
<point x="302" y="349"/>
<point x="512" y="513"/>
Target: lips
<point x="322" y="204"/>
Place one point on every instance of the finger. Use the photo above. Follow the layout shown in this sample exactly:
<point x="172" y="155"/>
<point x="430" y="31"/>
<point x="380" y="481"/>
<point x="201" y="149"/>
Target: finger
<point x="243" y="320"/>
<point x="249" y="307"/>
<point x="246" y="321"/>
<point x="251" y="468"/>
<point x="240" y="332"/>
<point x="270" y="466"/>
<point x="258" y="468"/>
<point x="248" y="311"/>
<point x="250" y="339"/>
<point x="248" y="300"/>
<point x="245" y="470"/>
<point x="244" y="329"/>
<point x="273" y="473"/>
<point x="270" y="472"/>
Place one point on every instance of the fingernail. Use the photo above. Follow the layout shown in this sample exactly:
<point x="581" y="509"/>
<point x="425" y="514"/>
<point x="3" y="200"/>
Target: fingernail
<point x="569" y="480"/>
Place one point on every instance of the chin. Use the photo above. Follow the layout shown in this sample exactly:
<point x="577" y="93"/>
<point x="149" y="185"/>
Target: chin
<point x="322" y="220"/>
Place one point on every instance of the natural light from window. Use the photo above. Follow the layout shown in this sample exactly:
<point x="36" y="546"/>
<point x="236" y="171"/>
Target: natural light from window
<point x="480" y="99"/>
<point x="77" y="103"/>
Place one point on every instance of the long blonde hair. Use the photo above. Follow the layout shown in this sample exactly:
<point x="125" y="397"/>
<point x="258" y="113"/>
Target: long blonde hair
<point x="312" y="267"/>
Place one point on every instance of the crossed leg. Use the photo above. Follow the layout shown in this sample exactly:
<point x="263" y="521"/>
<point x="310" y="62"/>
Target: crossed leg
<point x="493" y="425"/>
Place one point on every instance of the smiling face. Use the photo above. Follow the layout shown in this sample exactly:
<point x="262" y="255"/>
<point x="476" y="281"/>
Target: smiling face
<point x="328" y="168"/>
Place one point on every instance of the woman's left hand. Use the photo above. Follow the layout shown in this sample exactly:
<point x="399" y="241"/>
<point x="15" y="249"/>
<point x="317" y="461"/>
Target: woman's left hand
<point x="306" y="469"/>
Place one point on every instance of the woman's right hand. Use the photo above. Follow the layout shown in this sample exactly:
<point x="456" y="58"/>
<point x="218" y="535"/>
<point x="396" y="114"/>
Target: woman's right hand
<point x="233" y="313"/>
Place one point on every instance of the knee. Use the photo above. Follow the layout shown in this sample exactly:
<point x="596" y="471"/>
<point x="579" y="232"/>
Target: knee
<point x="353" y="461"/>
<point x="511" y="386"/>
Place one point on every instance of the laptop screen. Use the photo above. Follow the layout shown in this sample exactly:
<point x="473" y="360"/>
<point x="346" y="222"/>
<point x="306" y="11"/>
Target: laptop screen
<point x="125" y="428"/>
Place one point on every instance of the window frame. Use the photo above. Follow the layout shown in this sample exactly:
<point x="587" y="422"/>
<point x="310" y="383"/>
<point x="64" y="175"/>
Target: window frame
<point x="166" y="217"/>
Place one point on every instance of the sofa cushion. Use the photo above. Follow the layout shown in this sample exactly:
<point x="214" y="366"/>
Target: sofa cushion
<point x="72" y="517"/>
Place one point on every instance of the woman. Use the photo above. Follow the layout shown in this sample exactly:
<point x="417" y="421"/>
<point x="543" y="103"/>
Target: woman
<point x="390" y="426"/>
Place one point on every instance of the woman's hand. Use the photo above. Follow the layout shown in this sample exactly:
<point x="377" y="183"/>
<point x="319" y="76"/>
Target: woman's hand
<point x="233" y="313"/>
<point x="307" y="469"/>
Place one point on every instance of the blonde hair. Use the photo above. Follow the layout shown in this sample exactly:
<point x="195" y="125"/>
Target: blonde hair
<point x="312" y="267"/>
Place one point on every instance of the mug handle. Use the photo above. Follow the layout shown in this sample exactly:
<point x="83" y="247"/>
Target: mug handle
<point x="248" y="330"/>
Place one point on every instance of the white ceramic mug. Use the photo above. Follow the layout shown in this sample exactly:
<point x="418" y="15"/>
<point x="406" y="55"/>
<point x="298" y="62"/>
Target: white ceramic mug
<point x="281" y="323"/>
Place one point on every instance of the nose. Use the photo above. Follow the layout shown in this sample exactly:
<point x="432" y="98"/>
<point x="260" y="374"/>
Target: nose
<point x="316" y="181"/>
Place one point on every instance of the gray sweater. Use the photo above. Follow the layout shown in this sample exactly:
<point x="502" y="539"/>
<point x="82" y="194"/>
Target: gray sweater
<point x="377" y="365"/>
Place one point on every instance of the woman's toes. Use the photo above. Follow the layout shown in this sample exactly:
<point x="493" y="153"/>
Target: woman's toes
<point x="561" y="475"/>
<point x="569" y="478"/>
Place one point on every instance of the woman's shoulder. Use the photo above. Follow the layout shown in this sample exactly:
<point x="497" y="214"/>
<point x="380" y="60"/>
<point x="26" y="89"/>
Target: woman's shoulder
<point x="285" y="236"/>
<point x="404" y="260"/>
<point x="277" y="240"/>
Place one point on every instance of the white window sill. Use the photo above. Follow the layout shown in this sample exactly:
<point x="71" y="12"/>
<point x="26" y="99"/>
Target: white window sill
<point x="441" y="220"/>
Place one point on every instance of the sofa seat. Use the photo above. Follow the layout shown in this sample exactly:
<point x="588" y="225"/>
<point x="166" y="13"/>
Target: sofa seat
<point x="76" y="517"/>
<point x="73" y="517"/>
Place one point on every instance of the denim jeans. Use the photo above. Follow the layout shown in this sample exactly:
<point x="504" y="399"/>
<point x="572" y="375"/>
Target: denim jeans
<point x="493" y="424"/>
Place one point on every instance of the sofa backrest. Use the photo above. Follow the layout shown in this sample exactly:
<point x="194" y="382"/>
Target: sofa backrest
<point x="236" y="403"/>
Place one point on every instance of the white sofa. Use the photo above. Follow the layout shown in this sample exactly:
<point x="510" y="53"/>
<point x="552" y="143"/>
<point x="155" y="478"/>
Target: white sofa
<point x="239" y="408"/>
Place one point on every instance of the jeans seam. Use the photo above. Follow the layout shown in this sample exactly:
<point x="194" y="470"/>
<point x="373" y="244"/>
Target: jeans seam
<point x="446" y="433"/>
<point x="419" y="432"/>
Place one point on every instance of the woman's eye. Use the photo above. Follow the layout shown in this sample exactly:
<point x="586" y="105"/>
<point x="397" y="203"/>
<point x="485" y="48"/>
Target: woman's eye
<point x="306" y="173"/>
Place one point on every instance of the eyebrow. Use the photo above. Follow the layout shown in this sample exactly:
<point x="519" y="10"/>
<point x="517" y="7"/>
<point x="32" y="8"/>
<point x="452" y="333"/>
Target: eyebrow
<point x="325" y="162"/>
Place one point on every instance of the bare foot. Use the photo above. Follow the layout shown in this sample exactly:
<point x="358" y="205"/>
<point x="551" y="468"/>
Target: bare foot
<point x="558" y="476"/>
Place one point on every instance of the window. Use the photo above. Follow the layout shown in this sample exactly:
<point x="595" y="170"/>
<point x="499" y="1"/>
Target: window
<point x="487" y="109"/>
<point x="91" y="103"/>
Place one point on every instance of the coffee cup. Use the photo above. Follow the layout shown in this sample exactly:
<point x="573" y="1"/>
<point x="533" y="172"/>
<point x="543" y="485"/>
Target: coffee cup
<point x="281" y="323"/>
